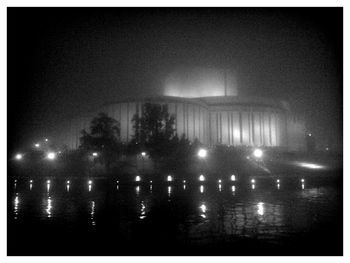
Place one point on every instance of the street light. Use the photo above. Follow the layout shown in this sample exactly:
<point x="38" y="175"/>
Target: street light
<point x="19" y="156"/>
<point x="95" y="154"/>
<point x="37" y="145"/>
<point x="169" y="178"/>
<point x="201" y="178"/>
<point x="51" y="155"/>
<point x="258" y="153"/>
<point x="143" y="154"/>
<point x="202" y="153"/>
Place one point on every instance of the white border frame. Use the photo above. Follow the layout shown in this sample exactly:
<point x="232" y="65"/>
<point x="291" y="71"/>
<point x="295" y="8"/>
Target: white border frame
<point x="248" y="3"/>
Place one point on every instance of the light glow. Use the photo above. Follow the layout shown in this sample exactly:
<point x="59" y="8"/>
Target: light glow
<point x="261" y="208"/>
<point x="51" y="155"/>
<point x="37" y="145"/>
<point x="219" y="181"/>
<point x="19" y="156"/>
<point x="233" y="178"/>
<point x="137" y="178"/>
<point x="95" y="154"/>
<point x="253" y="181"/>
<point x="258" y="153"/>
<point x="202" y="153"/>
<point x="143" y="154"/>
<point x="310" y="165"/>
<point x="201" y="189"/>
<point x="201" y="178"/>
<point x="169" y="178"/>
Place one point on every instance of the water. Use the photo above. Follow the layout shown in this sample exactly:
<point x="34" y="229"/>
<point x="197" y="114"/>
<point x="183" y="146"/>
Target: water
<point x="106" y="218"/>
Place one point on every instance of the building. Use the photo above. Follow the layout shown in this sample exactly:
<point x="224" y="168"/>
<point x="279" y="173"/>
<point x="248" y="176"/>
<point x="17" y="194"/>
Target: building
<point x="224" y="118"/>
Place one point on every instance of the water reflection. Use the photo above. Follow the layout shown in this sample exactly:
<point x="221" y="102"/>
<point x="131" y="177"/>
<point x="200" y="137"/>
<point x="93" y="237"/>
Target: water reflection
<point x="278" y="186"/>
<point x="142" y="211"/>
<point x="203" y="209"/>
<point x="303" y="186"/>
<point x="49" y="207"/>
<point x="220" y="187"/>
<point x="253" y="186"/>
<point x="137" y="189"/>
<point x="92" y="213"/>
<point x="67" y="187"/>
<point x="30" y="186"/>
<point x="260" y="208"/>
<point x="48" y="186"/>
<point x="169" y="191"/>
<point x="233" y="189"/>
<point x="184" y="187"/>
<point x="15" y="207"/>
<point x="201" y="189"/>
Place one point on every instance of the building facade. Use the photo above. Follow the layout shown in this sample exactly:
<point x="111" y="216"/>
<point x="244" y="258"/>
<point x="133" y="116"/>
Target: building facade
<point x="225" y="120"/>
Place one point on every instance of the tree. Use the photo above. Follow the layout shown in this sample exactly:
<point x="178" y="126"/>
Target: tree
<point x="103" y="138"/>
<point x="154" y="130"/>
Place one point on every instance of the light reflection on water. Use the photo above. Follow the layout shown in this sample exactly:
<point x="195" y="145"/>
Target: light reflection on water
<point x="259" y="213"/>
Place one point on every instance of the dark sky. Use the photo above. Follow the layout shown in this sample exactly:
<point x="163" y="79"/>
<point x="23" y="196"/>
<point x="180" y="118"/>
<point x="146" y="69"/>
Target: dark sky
<point x="64" y="61"/>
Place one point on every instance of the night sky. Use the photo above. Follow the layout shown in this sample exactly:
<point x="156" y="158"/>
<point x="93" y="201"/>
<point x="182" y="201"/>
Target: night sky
<point x="65" y="61"/>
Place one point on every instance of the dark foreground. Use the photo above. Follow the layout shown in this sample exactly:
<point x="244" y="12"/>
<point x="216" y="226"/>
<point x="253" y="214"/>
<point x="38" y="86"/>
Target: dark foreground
<point x="176" y="219"/>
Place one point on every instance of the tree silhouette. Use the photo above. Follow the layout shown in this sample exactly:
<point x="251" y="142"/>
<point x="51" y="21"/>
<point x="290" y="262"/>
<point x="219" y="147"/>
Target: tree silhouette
<point x="103" y="138"/>
<point x="154" y="130"/>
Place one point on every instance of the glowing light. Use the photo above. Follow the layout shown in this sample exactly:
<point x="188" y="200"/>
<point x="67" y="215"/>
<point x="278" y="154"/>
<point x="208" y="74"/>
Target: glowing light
<point x="302" y="186"/>
<point x="327" y="149"/>
<point x="19" y="156"/>
<point x="150" y="188"/>
<point x="219" y="181"/>
<point x="46" y="139"/>
<point x="302" y="180"/>
<point x="184" y="181"/>
<point x="51" y="155"/>
<point x="68" y="182"/>
<point x="150" y="181"/>
<point x="253" y="186"/>
<point x="48" y="181"/>
<point x="169" y="178"/>
<point x="37" y="145"/>
<point x="30" y="181"/>
<point x="30" y="186"/>
<point x="260" y="208"/>
<point x="90" y="182"/>
<point x="278" y="180"/>
<point x="137" y="178"/>
<point x="184" y="187"/>
<point x="202" y="153"/>
<point x="67" y="187"/>
<point x="310" y="134"/>
<point x="258" y="153"/>
<point x="117" y="182"/>
<point x="201" y="178"/>
<point x="278" y="186"/>
<point x="220" y="187"/>
<point x="201" y="189"/>
<point x="311" y="165"/>
<point x="233" y="188"/>
<point x="253" y="181"/>
<point x="95" y="154"/>
<point x="137" y="189"/>
<point x="143" y="154"/>
<point x="90" y="187"/>
<point x="233" y="178"/>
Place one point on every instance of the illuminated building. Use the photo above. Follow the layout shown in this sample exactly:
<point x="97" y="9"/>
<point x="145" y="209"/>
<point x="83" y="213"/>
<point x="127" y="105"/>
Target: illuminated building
<point x="226" y="119"/>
